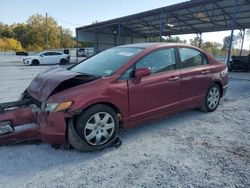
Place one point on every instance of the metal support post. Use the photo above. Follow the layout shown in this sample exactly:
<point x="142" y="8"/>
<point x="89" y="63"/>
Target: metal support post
<point x="200" y="40"/>
<point x="242" y="41"/>
<point x="161" y="26"/>
<point x="77" y="46"/>
<point x="233" y="23"/>
<point x="119" y="34"/>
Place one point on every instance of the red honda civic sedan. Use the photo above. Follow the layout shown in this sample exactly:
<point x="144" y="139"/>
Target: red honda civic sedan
<point x="86" y="104"/>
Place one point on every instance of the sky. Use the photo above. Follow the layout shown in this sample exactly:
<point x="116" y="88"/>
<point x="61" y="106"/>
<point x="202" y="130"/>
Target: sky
<point x="76" y="13"/>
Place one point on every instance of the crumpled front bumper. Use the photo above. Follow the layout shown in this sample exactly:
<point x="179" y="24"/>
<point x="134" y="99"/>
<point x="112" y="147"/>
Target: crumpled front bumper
<point x="23" y="123"/>
<point x="52" y="127"/>
<point x="28" y="125"/>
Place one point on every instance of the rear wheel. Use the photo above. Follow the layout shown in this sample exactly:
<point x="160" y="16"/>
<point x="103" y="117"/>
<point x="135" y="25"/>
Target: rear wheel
<point x="212" y="99"/>
<point x="35" y="62"/>
<point x="96" y="127"/>
<point x="63" y="61"/>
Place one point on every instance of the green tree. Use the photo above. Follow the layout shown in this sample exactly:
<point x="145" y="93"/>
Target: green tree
<point x="10" y="44"/>
<point x="67" y="40"/>
<point x="33" y="34"/>
<point x="21" y="33"/>
<point x="37" y="32"/>
<point x="1" y="44"/>
<point x="6" y="31"/>
<point x="196" y="41"/>
<point x="175" y="39"/>
<point x="213" y="48"/>
<point x="166" y="39"/>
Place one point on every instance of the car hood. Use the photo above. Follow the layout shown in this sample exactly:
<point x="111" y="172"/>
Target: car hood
<point x="55" y="80"/>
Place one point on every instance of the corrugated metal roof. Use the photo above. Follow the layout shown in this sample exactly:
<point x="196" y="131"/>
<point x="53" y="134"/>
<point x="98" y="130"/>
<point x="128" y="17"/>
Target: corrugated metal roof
<point x="195" y="16"/>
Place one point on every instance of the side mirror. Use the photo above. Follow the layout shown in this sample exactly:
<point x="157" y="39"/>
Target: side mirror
<point x="41" y="55"/>
<point x="142" y="72"/>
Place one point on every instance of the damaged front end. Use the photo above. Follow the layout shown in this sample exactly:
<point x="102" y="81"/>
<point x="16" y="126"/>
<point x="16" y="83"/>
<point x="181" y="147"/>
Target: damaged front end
<point x="28" y="120"/>
<point x="18" y="122"/>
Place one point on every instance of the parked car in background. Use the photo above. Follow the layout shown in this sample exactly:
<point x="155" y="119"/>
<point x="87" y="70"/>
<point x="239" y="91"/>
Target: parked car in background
<point x="81" y="52"/>
<point x="85" y="52"/>
<point x="239" y="63"/>
<point x="86" y="104"/>
<point x="47" y="57"/>
<point x="23" y="53"/>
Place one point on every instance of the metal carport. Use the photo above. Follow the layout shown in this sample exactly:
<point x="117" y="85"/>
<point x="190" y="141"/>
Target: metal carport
<point x="195" y="16"/>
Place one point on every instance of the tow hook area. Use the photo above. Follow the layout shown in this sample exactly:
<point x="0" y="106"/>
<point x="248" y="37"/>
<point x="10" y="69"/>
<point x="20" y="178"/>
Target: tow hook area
<point x="18" y="123"/>
<point x="6" y="127"/>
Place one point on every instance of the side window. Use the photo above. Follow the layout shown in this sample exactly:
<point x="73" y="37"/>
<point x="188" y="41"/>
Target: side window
<point x="46" y="54"/>
<point x="57" y="53"/>
<point x="159" y="61"/>
<point x="191" y="57"/>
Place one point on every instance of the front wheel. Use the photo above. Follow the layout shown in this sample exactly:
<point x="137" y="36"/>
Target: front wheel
<point x="212" y="99"/>
<point x="96" y="127"/>
<point x="35" y="62"/>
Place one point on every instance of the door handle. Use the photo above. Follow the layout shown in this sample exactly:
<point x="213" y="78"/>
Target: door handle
<point x="205" y="72"/>
<point x="173" y="78"/>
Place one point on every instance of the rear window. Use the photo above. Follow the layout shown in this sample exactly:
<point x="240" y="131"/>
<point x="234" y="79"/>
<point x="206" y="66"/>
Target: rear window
<point x="191" y="57"/>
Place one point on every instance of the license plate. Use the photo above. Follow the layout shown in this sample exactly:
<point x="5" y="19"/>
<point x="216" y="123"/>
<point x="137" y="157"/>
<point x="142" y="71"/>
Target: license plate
<point x="6" y="128"/>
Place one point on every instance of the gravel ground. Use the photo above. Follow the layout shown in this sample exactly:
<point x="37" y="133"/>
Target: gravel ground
<point x="191" y="149"/>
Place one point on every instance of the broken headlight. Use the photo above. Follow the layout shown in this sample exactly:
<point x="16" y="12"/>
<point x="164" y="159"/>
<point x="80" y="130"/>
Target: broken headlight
<point x="56" y="107"/>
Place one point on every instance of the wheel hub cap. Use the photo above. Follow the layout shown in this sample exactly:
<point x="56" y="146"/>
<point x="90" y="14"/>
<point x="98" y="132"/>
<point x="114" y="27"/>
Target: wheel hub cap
<point x="213" y="97"/>
<point x="99" y="128"/>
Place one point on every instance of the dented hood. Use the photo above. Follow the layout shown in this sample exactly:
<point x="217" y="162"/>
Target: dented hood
<point x="45" y="83"/>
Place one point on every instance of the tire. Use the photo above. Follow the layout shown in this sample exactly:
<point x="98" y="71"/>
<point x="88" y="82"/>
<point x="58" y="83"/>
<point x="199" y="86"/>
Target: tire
<point x="212" y="99"/>
<point x="35" y="62"/>
<point x="94" y="129"/>
<point x="63" y="61"/>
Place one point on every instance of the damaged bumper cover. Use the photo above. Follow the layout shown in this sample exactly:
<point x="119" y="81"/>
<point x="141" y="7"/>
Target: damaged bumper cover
<point x="23" y="121"/>
<point x="29" y="124"/>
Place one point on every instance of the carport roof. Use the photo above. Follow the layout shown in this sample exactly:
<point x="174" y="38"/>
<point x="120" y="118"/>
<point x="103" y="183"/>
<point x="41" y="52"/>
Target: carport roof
<point x="195" y="16"/>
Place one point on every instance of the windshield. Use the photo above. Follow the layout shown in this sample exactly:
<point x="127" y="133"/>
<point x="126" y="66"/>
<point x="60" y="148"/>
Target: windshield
<point x="106" y="62"/>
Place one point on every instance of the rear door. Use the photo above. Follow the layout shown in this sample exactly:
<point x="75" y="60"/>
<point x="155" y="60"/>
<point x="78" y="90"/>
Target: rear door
<point x="195" y="76"/>
<point x="56" y="57"/>
<point x="46" y="58"/>
<point x="158" y="93"/>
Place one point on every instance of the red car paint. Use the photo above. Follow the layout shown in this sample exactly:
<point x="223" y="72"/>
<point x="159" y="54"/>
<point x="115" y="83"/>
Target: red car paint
<point x="19" y="117"/>
<point x="153" y="96"/>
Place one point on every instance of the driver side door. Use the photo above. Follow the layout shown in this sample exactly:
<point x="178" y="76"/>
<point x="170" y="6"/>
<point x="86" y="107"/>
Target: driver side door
<point x="159" y="93"/>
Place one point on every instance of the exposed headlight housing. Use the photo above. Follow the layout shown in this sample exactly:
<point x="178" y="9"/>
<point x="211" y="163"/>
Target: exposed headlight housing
<point x="56" y="107"/>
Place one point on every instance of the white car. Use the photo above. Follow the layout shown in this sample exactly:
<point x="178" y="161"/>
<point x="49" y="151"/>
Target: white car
<point x="48" y="57"/>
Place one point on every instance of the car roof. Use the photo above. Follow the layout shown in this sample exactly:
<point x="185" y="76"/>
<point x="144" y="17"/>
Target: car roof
<point x="155" y="44"/>
<point x="51" y="51"/>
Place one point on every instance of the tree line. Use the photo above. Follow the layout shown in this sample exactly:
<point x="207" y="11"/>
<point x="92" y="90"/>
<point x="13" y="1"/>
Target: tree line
<point x="214" y="48"/>
<point x="35" y="35"/>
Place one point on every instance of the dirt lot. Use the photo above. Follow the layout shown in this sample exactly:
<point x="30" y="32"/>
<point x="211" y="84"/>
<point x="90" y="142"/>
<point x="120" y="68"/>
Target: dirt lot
<point x="191" y="149"/>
